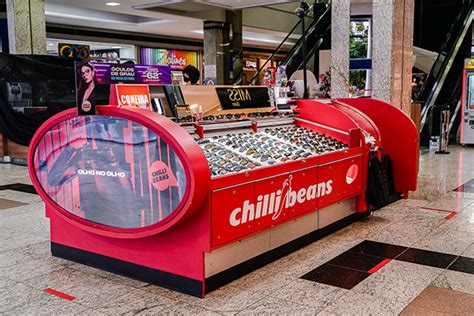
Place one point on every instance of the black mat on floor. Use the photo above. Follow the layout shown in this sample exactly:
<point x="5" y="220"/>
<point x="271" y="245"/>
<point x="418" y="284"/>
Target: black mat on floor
<point x="356" y="264"/>
<point x="26" y="188"/>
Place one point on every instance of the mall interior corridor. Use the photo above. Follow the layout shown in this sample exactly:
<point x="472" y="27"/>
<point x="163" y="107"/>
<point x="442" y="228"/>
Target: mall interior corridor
<point x="415" y="256"/>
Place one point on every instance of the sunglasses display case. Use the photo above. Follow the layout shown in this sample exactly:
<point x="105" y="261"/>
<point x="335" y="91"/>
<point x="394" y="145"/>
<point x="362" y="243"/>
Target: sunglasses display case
<point x="193" y="207"/>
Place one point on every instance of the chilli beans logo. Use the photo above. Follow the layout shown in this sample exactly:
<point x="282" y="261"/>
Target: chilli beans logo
<point x="273" y="203"/>
<point x="161" y="176"/>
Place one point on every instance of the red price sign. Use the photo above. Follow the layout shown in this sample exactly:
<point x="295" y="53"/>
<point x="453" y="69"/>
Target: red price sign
<point x="135" y="95"/>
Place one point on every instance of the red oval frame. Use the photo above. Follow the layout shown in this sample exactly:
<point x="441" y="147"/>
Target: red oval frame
<point x="188" y="151"/>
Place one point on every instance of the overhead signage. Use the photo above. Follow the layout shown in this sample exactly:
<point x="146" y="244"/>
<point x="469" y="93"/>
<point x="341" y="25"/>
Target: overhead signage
<point x="133" y="95"/>
<point x="73" y="51"/>
<point x="175" y="59"/>
<point x="243" y="97"/>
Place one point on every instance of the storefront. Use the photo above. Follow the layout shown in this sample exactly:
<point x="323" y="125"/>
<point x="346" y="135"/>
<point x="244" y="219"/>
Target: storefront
<point x="176" y="59"/>
<point x="254" y="61"/>
<point x="104" y="52"/>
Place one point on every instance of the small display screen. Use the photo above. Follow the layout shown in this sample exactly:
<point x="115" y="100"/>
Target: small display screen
<point x="110" y="171"/>
<point x="160" y="101"/>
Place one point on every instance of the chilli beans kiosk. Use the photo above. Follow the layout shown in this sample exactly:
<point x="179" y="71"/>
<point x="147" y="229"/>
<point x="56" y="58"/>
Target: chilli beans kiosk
<point x="132" y="192"/>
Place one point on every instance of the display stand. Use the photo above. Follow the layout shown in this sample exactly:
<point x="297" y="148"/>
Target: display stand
<point x="130" y="191"/>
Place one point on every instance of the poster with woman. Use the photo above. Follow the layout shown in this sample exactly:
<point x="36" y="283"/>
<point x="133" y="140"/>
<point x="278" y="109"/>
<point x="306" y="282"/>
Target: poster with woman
<point x="86" y="87"/>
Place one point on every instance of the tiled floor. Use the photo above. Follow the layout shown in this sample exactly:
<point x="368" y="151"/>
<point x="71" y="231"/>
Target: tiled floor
<point x="429" y="271"/>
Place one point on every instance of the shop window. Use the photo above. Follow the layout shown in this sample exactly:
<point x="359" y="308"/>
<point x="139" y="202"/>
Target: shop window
<point x="359" y="38"/>
<point x="102" y="52"/>
<point x="359" y="80"/>
<point x="360" y="75"/>
<point x="176" y="59"/>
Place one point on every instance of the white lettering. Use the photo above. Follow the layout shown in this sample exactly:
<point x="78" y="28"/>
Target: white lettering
<point x="233" y="217"/>
<point x="275" y="202"/>
<point x="329" y="187"/>
<point x="248" y="212"/>
<point x="301" y="195"/>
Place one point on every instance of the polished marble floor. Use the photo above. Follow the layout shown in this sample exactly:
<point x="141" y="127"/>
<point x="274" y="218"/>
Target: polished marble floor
<point x="414" y="257"/>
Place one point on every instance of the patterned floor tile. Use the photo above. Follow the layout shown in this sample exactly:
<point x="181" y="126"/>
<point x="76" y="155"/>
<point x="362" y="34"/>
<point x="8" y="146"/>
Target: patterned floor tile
<point x="362" y="304"/>
<point x="456" y="281"/>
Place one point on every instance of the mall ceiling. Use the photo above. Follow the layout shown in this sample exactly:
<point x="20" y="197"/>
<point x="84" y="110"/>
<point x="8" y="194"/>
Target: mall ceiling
<point x="174" y="18"/>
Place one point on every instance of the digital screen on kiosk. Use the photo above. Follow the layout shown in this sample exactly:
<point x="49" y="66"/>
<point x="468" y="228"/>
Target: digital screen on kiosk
<point x="110" y="171"/>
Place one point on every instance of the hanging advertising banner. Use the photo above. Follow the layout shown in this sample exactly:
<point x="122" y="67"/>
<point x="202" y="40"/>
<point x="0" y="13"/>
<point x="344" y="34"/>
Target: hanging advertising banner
<point x="90" y="75"/>
<point x="133" y="95"/>
<point x="243" y="97"/>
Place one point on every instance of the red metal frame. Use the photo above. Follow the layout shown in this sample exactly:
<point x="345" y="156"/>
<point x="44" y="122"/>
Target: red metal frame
<point x="187" y="150"/>
<point x="399" y="139"/>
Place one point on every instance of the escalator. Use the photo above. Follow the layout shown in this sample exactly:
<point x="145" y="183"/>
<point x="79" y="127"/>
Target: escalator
<point x="443" y="84"/>
<point x="317" y="34"/>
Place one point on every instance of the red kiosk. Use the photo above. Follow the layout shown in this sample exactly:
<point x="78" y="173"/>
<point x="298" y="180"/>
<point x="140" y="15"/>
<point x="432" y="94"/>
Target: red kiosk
<point x="130" y="191"/>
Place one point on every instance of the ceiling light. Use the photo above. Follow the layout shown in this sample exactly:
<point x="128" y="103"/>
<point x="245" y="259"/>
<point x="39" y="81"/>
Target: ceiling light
<point x="50" y="44"/>
<point x="112" y="4"/>
<point x="117" y="47"/>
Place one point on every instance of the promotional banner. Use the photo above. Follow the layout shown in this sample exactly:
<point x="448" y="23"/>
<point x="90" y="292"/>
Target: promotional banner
<point x="90" y="75"/>
<point x="243" y="97"/>
<point x="175" y="59"/>
<point x="130" y="73"/>
<point x="110" y="171"/>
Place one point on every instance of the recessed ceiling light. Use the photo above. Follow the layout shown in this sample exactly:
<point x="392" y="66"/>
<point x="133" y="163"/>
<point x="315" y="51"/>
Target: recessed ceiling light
<point x="50" y="44"/>
<point x="112" y="4"/>
<point x="117" y="47"/>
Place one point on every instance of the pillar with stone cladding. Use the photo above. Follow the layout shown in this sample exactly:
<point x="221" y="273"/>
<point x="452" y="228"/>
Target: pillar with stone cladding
<point x="340" y="30"/>
<point x="216" y="52"/>
<point x="26" y="26"/>
<point x="392" y="52"/>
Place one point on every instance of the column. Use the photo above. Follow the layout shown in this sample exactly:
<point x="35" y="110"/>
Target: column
<point x="392" y="55"/>
<point x="235" y="19"/>
<point x="216" y="52"/>
<point x="26" y="26"/>
<point x="340" y="24"/>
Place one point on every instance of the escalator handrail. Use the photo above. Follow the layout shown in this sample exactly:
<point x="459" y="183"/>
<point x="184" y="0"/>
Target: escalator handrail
<point x="433" y="82"/>
<point x="257" y="73"/>
<point x="309" y="33"/>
